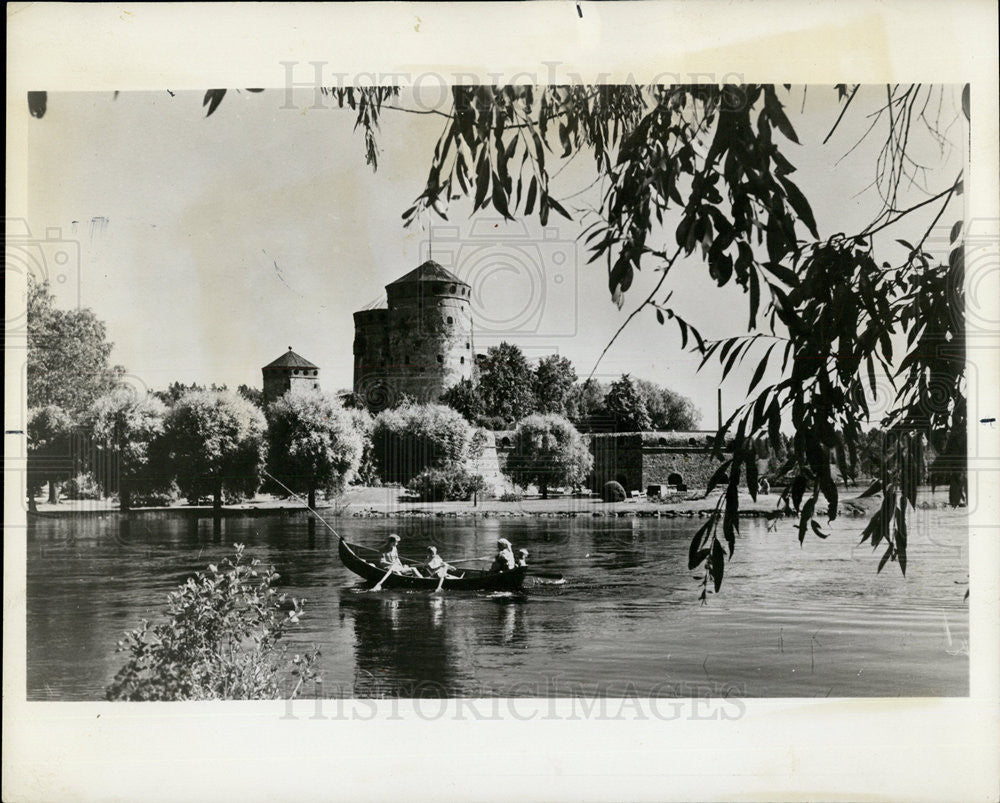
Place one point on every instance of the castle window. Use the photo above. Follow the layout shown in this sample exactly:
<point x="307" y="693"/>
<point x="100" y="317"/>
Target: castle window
<point x="468" y="346"/>
<point x="296" y="372"/>
<point x="692" y="442"/>
<point x="462" y="360"/>
<point x="407" y="359"/>
<point x="440" y="358"/>
<point x="452" y="289"/>
<point x="450" y="319"/>
<point x="663" y="441"/>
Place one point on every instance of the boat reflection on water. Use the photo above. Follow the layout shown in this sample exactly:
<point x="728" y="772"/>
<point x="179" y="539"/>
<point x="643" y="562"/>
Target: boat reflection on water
<point x="402" y="647"/>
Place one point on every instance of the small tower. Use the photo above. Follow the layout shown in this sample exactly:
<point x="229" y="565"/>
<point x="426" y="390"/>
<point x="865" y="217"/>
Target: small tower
<point x="288" y="372"/>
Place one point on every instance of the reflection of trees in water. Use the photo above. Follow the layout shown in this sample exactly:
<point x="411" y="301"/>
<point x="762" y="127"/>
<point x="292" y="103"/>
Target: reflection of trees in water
<point x="401" y="644"/>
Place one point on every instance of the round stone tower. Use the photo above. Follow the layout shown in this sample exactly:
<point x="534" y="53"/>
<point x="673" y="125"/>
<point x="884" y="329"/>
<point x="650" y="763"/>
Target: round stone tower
<point x="419" y="346"/>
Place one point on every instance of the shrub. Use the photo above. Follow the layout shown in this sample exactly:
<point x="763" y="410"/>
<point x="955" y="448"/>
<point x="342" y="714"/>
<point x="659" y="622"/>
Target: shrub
<point x="452" y="483"/>
<point x="511" y="496"/>
<point x="221" y="641"/>
<point x="408" y="439"/>
<point x="82" y="486"/>
<point x="613" y="492"/>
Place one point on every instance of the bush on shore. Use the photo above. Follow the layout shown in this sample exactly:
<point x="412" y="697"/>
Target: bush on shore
<point x="221" y="641"/>
<point x="452" y="484"/>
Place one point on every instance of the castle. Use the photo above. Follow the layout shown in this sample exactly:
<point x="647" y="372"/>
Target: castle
<point x="419" y="344"/>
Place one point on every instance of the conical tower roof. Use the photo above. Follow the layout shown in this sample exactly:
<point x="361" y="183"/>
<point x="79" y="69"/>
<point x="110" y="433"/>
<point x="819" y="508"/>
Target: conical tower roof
<point x="291" y="360"/>
<point x="430" y="271"/>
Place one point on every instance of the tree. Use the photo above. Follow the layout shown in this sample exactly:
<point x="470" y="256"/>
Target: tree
<point x="177" y="390"/>
<point x="548" y="452"/>
<point x="125" y="429"/>
<point x="667" y="410"/>
<point x="68" y="354"/>
<point x="585" y="405"/>
<point x="465" y="398"/>
<point x="253" y="395"/>
<point x="215" y="442"/>
<point x="626" y="406"/>
<point x="554" y="378"/>
<point x="49" y="455"/>
<point x="505" y="381"/>
<point x="408" y="439"/>
<point x="312" y="442"/>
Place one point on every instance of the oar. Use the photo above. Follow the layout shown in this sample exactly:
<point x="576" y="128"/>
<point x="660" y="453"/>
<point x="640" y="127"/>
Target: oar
<point x="304" y="502"/>
<point x="378" y="585"/>
<point x="470" y="560"/>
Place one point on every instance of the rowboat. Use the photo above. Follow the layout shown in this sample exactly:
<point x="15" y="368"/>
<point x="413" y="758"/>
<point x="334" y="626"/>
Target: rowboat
<point x="471" y="579"/>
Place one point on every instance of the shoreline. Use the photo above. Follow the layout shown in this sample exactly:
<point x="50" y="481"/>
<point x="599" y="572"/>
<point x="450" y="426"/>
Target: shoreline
<point x="384" y="503"/>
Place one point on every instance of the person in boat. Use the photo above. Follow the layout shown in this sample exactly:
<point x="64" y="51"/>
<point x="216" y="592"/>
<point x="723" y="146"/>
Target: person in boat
<point x="389" y="558"/>
<point x="436" y="566"/>
<point x="522" y="558"/>
<point x="504" y="560"/>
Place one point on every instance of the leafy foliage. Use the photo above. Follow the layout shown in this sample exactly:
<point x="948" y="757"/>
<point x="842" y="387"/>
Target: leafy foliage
<point x="48" y="434"/>
<point x="221" y="641"/>
<point x="448" y="483"/>
<point x="667" y="410"/>
<point x="68" y="354"/>
<point x="626" y="406"/>
<point x="126" y="429"/>
<point x="215" y="442"/>
<point x="553" y="380"/>
<point x="505" y="383"/>
<point x="585" y="406"/>
<point x="548" y="452"/>
<point x="408" y="439"/>
<point x="313" y="442"/>
<point x="464" y="396"/>
<point x="177" y="390"/>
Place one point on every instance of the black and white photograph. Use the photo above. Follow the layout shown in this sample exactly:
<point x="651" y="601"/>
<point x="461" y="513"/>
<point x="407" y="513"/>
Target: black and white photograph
<point x="517" y="396"/>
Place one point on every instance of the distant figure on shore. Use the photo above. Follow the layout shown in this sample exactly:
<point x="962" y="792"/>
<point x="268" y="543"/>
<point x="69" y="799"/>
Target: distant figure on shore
<point x="504" y="561"/>
<point x="389" y="560"/>
<point x="763" y="487"/>
<point x="522" y="557"/>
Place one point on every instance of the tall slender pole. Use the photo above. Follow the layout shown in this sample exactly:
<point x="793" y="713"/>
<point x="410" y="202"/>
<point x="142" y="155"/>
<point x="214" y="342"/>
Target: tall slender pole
<point x="720" y="407"/>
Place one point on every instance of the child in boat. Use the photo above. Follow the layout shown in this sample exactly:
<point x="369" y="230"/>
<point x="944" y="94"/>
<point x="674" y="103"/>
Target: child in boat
<point x="522" y="557"/>
<point x="390" y="558"/>
<point x="435" y="565"/>
<point x="504" y="561"/>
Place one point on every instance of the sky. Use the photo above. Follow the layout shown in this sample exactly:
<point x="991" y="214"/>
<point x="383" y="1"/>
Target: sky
<point x="211" y="245"/>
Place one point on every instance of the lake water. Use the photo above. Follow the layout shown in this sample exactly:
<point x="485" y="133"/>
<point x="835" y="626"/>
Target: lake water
<point x="789" y="621"/>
